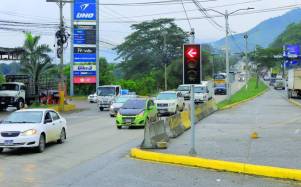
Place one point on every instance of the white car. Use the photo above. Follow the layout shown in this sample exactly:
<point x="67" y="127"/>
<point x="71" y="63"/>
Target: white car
<point x="92" y="98"/>
<point x="200" y="93"/>
<point x="170" y="102"/>
<point x="32" y="128"/>
<point x="184" y="89"/>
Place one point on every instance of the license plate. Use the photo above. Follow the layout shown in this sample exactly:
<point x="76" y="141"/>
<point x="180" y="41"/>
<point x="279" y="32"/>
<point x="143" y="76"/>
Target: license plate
<point x="128" y="120"/>
<point x="162" y="111"/>
<point x="8" y="142"/>
<point x="2" y="103"/>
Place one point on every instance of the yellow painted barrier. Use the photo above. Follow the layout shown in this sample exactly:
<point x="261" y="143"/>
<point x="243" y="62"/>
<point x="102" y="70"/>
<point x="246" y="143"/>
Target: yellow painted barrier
<point x="297" y="104"/>
<point x="67" y="108"/>
<point x="185" y="116"/>
<point x="220" y="165"/>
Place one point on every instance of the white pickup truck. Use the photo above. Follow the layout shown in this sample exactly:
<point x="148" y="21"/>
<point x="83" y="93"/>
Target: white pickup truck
<point x="203" y="92"/>
<point x="169" y="102"/>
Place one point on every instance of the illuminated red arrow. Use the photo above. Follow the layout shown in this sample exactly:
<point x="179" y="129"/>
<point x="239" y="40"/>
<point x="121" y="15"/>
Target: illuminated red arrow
<point x="192" y="53"/>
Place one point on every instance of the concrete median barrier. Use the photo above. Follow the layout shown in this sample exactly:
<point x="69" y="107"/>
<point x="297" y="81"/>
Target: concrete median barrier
<point x="155" y="136"/>
<point x="185" y="116"/>
<point x="174" y="126"/>
<point x="204" y="109"/>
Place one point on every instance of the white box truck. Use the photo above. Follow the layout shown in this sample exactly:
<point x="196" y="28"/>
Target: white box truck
<point x="294" y="83"/>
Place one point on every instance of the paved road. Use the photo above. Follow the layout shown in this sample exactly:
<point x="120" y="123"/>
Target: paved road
<point x="91" y="134"/>
<point x="96" y="154"/>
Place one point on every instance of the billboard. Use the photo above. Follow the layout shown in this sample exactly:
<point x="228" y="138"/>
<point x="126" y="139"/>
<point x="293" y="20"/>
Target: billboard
<point x="291" y="50"/>
<point x="84" y="41"/>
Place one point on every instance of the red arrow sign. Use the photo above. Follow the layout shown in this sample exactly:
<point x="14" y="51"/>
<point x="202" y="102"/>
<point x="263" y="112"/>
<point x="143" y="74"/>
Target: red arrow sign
<point x="192" y="52"/>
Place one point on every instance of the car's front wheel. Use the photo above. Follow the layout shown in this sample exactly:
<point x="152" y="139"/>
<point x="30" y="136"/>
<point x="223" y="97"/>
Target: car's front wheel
<point x="42" y="144"/>
<point x="62" y="136"/>
<point x="1" y="149"/>
<point x="119" y="127"/>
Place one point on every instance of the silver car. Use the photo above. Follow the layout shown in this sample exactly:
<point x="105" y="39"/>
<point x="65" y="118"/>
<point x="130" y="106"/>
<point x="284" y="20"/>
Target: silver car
<point x="118" y="103"/>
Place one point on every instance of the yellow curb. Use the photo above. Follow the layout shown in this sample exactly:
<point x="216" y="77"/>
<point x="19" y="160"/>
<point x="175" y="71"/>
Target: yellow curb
<point x="297" y="104"/>
<point x="67" y="108"/>
<point x="243" y="101"/>
<point x="259" y="170"/>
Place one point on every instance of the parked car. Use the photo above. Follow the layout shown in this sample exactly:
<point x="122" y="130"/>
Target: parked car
<point x="279" y="84"/>
<point x="32" y="128"/>
<point x="118" y="103"/>
<point x="136" y="113"/>
<point x="169" y="102"/>
<point x="92" y="98"/>
<point x="266" y="78"/>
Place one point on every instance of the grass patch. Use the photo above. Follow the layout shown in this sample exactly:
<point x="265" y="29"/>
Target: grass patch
<point x="244" y="93"/>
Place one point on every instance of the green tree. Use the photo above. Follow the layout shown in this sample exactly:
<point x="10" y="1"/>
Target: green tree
<point x="292" y="35"/>
<point x="35" y="60"/>
<point x="143" y="53"/>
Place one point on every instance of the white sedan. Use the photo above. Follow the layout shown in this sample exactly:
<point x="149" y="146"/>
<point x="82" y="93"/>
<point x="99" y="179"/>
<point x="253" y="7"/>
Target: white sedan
<point x="32" y="128"/>
<point x="92" y="98"/>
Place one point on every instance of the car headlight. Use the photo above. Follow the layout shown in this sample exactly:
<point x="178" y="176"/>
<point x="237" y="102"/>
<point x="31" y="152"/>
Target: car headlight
<point x="111" y="107"/>
<point x="29" y="132"/>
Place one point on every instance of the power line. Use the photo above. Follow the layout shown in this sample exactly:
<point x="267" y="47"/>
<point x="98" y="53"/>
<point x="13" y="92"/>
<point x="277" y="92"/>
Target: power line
<point x="192" y="10"/>
<point x="152" y="3"/>
<point x="186" y="15"/>
<point x="217" y="16"/>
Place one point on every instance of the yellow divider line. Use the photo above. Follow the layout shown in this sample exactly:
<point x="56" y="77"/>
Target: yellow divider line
<point x="260" y="170"/>
<point x="243" y="101"/>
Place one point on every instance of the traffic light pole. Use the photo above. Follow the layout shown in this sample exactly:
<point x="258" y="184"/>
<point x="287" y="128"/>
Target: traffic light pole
<point x="192" y="105"/>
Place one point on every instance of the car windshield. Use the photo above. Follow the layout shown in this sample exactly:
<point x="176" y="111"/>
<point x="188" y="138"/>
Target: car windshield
<point x="183" y="88"/>
<point x="24" y="117"/>
<point x="134" y="104"/>
<point x="106" y="91"/>
<point x="12" y="87"/>
<point x="200" y="89"/>
<point x="166" y="96"/>
<point x="121" y="99"/>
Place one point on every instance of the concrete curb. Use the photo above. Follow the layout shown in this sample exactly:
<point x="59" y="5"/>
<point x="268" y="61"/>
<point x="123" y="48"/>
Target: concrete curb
<point x="251" y="169"/>
<point x="243" y="101"/>
<point x="297" y="104"/>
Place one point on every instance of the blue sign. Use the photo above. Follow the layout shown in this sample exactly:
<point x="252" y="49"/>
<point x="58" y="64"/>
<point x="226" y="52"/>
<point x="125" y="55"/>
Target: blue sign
<point x="82" y="57"/>
<point x="84" y="34"/>
<point x="124" y="92"/>
<point x="84" y="73"/>
<point x="291" y="50"/>
<point x="85" y="10"/>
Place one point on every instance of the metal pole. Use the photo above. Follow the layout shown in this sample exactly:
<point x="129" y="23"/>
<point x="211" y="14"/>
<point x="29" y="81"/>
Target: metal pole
<point x="62" y="47"/>
<point x="192" y="121"/>
<point x="71" y="54"/>
<point x="227" y="57"/>
<point x="164" y="58"/>
<point x="212" y="66"/>
<point x="165" y="76"/>
<point x="97" y="45"/>
<point x="247" y="58"/>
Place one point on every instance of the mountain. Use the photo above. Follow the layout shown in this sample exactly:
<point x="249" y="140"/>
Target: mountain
<point x="263" y="34"/>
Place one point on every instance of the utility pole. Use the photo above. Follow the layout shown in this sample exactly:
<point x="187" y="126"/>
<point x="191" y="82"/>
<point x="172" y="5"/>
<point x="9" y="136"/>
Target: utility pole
<point x="62" y="39"/>
<point x="247" y="58"/>
<point x="227" y="56"/>
<point x="226" y="15"/>
<point x="165" y="58"/>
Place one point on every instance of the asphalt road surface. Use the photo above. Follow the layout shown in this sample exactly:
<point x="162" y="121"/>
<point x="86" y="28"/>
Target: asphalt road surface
<point x="96" y="154"/>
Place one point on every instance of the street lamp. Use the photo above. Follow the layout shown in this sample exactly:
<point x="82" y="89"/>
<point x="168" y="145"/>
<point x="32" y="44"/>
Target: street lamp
<point x="226" y="15"/>
<point x="164" y="33"/>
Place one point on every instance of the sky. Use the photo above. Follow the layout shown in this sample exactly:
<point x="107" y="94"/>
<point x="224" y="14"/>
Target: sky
<point x="115" y="20"/>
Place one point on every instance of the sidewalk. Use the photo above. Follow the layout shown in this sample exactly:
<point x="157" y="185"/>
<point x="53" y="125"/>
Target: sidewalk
<point x="225" y="135"/>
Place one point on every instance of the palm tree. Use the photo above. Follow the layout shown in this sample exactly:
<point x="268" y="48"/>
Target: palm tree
<point x="35" y="60"/>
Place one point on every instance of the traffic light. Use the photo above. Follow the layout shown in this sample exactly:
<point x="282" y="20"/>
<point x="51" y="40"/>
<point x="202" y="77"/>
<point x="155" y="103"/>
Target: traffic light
<point x="191" y="64"/>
